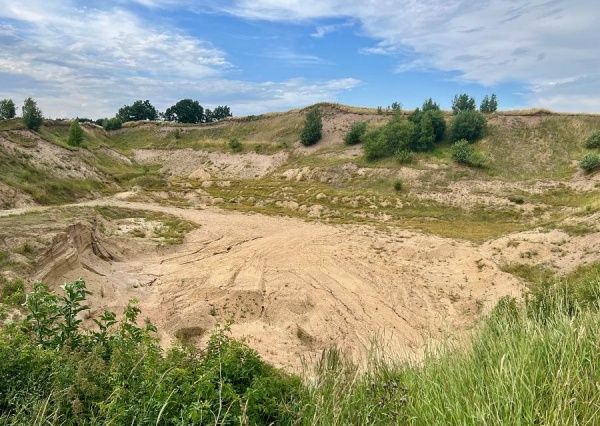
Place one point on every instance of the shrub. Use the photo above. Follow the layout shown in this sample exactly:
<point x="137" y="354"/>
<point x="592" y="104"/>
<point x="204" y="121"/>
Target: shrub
<point x="385" y="141"/>
<point x="468" y="125"/>
<point x="398" y="185"/>
<point x="589" y="162"/>
<point x="404" y="156"/>
<point x="463" y="153"/>
<point x="112" y="123"/>
<point x="356" y="133"/>
<point x="593" y="140"/>
<point x="313" y="127"/>
<point x="235" y="145"/>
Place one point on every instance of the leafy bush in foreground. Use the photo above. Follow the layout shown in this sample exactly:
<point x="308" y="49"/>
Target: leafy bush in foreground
<point x="55" y="372"/>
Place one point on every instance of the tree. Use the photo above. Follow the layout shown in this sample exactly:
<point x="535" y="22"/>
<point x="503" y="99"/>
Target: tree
<point x="75" y="134"/>
<point x="468" y="125"/>
<point x="32" y="115"/>
<point x="7" y="109"/>
<point x="489" y="104"/>
<point x="185" y="111"/>
<point x="219" y="113"/>
<point x="140" y="110"/>
<point x="463" y="103"/>
<point x="424" y="138"/>
<point x="313" y="127"/>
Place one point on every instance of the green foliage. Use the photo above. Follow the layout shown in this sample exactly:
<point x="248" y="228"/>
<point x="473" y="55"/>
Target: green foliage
<point x="139" y="110"/>
<point x="12" y="293"/>
<point x="386" y="140"/>
<point x="111" y="123"/>
<point x="430" y="126"/>
<point x="32" y="115"/>
<point x="7" y="109"/>
<point x="469" y="125"/>
<point x="489" y="104"/>
<point x="356" y="133"/>
<point x="404" y="156"/>
<point x="219" y="113"/>
<point x="464" y="153"/>
<point x="235" y="145"/>
<point x="313" y="127"/>
<point x="593" y="140"/>
<point x="54" y="370"/>
<point x="396" y="107"/>
<point x="75" y="134"/>
<point x="185" y="111"/>
<point x="589" y="162"/>
<point x="462" y="103"/>
<point x="398" y="185"/>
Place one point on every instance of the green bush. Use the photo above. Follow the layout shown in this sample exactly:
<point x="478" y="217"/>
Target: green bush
<point x="235" y="145"/>
<point x="112" y="123"/>
<point x="589" y="162"/>
<point x="55" y="372"/>
<point x="398" y="185"/>
<point x="356" y="133"/>
<point x="313" y="127"/>
<point x="385" y="141"/>
<point x="469" y="125"/>
<point x="464" y="153"/>
<point x="404" y="156"/>
<point x="593" y="140"/>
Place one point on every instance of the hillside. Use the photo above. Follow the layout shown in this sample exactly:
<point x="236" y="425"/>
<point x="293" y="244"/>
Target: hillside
<point x="304" y="247"/>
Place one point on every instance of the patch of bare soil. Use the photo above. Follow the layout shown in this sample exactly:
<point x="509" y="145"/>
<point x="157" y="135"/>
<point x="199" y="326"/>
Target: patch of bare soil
<point x="203" y="165"/>
<point x="292" y="287"/>
<point x="57" y="161"/>
<point x="13" y="198"/>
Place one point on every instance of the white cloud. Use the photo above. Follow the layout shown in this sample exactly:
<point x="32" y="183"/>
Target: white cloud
<point x="488" y="42"/>
<point x="81" y="55"/>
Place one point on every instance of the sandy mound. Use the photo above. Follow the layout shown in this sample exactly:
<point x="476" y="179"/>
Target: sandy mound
<point x="294" y="287"/>
<point x="203" y="165"/>
<point x="58" y="161"/>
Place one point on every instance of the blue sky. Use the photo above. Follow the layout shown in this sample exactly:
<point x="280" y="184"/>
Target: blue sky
<point x="88" y="58"/>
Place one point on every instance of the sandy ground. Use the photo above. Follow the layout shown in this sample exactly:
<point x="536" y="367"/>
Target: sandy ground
<point x="292" y="287"/>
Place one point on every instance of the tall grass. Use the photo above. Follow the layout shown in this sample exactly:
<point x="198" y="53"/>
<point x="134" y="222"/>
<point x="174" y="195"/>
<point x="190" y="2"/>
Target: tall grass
<point x="538" y="363"/>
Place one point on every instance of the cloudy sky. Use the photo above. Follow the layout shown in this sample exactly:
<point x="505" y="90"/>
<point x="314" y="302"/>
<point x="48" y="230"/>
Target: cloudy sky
<point x="88" y="58"/>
